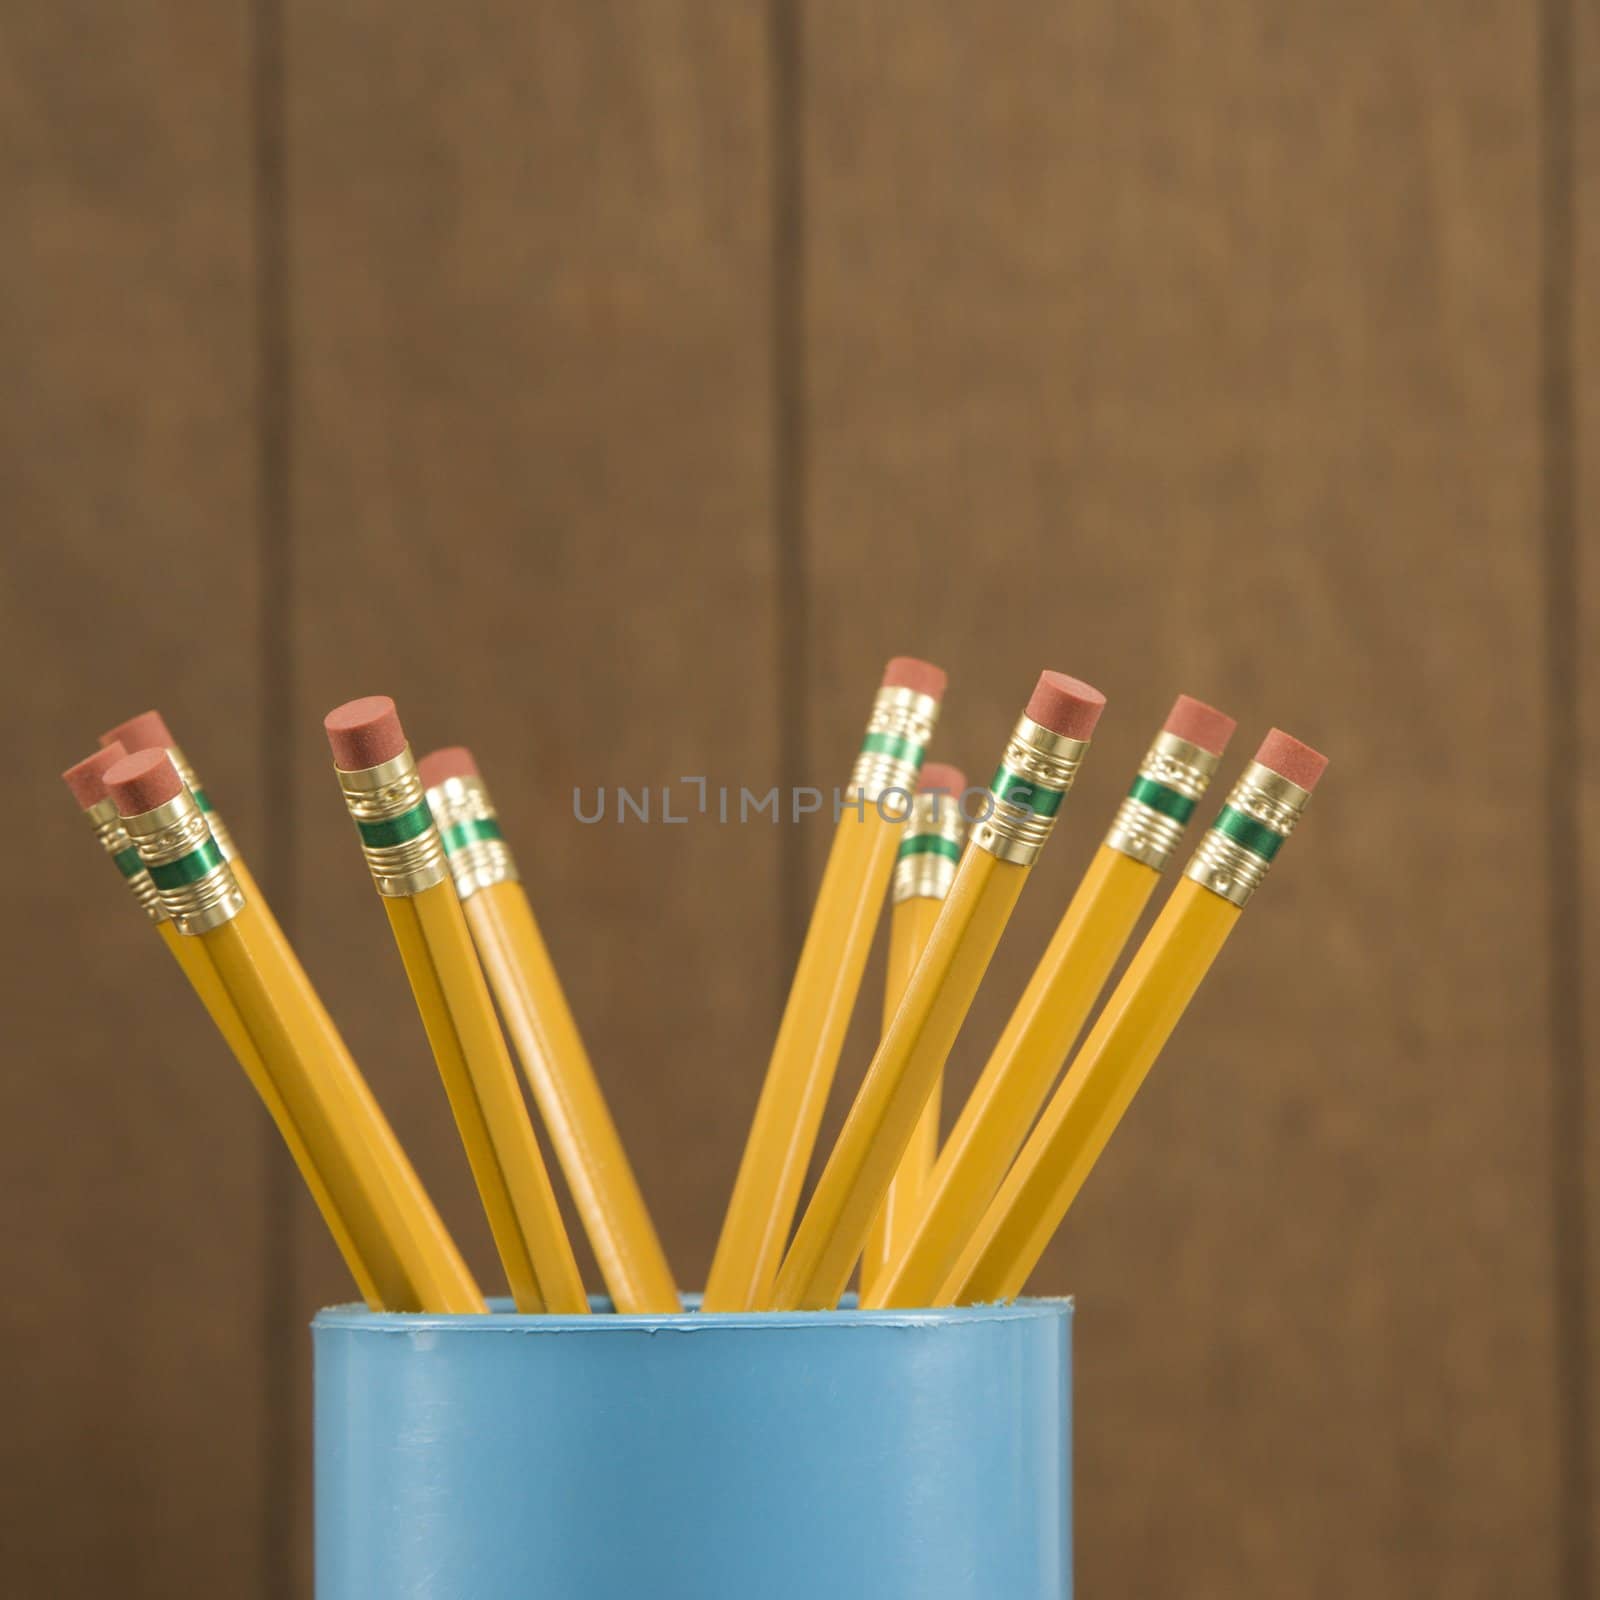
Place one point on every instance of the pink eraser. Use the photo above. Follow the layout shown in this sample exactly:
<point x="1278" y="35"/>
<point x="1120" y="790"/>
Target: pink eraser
<point x="1290" y="759"/>
<point x="1200" y="724"/>
<point x="454" y="761"/>
<point x="1065" y="705"/>
<point x="143" y="781"/>
<point x="87" y="780"/>
<point x="147" y="731"/>
<point x="939" y="777"/>
<point x="364" y="733"/>
<point x="907" y="672"/>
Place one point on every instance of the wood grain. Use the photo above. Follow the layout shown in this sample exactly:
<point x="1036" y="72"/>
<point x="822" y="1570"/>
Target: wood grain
<point x="132" y="1153"/>
<point x="531" y="501"/>
<point x="1199" y="352"/>
<point x="1573" y="260"/>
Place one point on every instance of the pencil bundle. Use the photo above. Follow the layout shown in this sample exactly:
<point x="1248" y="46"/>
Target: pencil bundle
<point x="383" y="793"/>
<point x="832" y="959"/>
<point x="928" y="1222"/>
<point x="391" y="1238"/>
<point x="1163" y="977"/>
<point x="1097" y="923"/>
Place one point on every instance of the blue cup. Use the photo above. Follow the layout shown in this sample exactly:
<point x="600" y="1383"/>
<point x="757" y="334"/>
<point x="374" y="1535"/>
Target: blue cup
<point x="916" y="1455"/>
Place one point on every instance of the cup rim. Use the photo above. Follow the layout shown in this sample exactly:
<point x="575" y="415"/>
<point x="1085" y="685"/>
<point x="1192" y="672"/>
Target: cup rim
<point x="502" y="1318"/>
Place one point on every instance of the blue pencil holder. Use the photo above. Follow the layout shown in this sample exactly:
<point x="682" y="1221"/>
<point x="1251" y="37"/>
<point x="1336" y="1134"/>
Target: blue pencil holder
<point x="920" y="1455"/>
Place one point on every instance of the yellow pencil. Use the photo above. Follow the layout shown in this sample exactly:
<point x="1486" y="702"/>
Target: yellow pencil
<point x="87" y="782"/>
<point x="378" y="778"/>
<point x="925" y="867"/>
<point x="1034" y="776"/>
<point x="445" y="1281"/>
<point x="210" y="915"/>
<point x="1138" y="1019"/>
<point x="1098" y="922"/>
<point x="545" y="1033"/>
<point x="823" y="993"/>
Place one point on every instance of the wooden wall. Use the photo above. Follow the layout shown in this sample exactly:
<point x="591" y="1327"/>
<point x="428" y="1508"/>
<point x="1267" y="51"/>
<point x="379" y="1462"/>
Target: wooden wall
<point x="618" y="386"/>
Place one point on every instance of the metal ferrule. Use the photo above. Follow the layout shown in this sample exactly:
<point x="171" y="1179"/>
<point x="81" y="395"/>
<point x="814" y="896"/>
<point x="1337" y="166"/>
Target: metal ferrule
<point x="1260" y="813"/>
<point x="398" y="838"/>
<point x="219" y="829"/>
<point x="197" y="887"/>
<point x="1172" y="778"/>
<point x="1035" y="774"/>
<point x="115" y="841"/>
<point x="469" y="829"/>
<point x="926" y="865"/>
<point x="897" y="734"/>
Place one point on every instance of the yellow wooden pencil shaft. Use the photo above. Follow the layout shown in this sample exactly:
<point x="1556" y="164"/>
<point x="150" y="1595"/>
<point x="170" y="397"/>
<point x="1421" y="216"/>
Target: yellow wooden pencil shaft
<point x="243" y="962"/>
<point x="465" y="1106"/>
<point x="804" y="1060"/>
<point x="910" y="926"/>
<point x="1099" y="1086"/>
<point x="568" y="1094"/>
<point x="1017" y="1077"/>
<point x="481" y="1084"/>
<point x="198" y="968"/>
<point x="443" y="1279"/>
<point x="898" y="1082"/>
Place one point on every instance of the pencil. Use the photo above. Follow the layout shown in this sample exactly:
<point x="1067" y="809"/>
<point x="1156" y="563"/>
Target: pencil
<point x="783" y="1133"/>
<point x="1098" y="922"/>
<point x="1226" y="870"/>
<point x="924" y="869"/>
<point x="86" y="780"/>
<point x="545" y="1034"/>
<point x="444" y="1283"/>
<point x="1035" y="773"/>
<point x="378" y="778"/>
<point x="207" y="909"/>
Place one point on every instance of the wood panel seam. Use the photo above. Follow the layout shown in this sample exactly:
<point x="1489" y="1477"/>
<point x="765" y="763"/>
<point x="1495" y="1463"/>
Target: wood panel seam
<point x="1563" y="753"/>
<point x="789" y="464"/>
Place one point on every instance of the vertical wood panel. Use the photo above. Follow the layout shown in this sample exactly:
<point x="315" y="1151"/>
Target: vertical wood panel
<point x="532" y="456"/>
<point x="130" y="1145"/>
<point x="1200" y="352"/>
<point x="1582" y="238"/>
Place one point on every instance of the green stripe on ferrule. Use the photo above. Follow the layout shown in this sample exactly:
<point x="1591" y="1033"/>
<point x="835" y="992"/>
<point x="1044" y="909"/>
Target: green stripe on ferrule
<point x="396" y="830"/>
<point x="1160" y="798"/>
<point x="460" y="834"/>
<point x="201" y="799"/>
<point x="129" y="862"/>
<point x="187" y="869"/>
<point x="894" y="746"/>
<point x="1256" y="837"/>
<point x="930" y="844"/>
<point x="1014" y="790"/>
